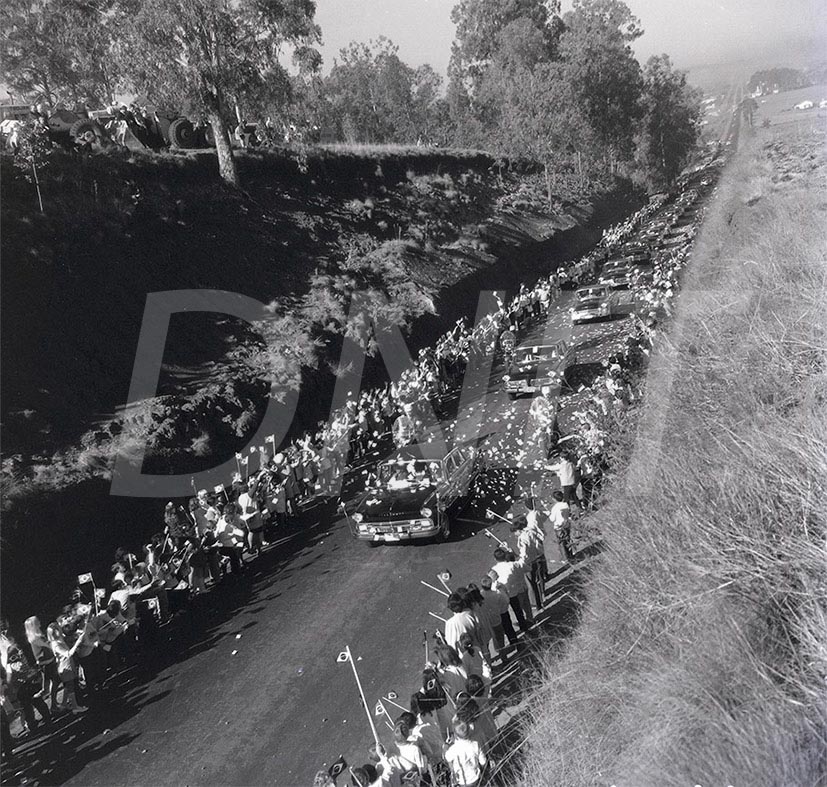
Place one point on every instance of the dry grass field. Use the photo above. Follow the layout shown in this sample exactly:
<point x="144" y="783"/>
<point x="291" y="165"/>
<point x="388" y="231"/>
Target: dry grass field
<point x="701" y="655"/>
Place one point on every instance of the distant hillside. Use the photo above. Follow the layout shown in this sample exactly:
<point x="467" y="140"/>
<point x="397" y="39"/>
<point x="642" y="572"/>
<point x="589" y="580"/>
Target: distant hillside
<point x="777" y="80"/>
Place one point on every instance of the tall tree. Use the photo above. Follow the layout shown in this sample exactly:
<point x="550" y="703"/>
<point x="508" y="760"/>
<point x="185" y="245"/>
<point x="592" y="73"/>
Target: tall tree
<point x="207" y="55"/>
<point x="378" y="98"/>
<point x="670" y="125"/>
<point x="494" y="33"/>
<point x="58" y="51"/>
<point x="479" y="25"/>
<point x="538" y="119"/>
<point x="602" y="70"/>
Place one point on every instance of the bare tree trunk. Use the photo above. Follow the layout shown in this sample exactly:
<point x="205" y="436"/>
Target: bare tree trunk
<point x="548" y="185"/>
<point x="226" y="161"/>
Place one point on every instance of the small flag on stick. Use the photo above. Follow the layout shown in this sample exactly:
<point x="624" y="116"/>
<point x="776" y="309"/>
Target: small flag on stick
<point x="84" y="579"/>
<point x="337" y="767"/>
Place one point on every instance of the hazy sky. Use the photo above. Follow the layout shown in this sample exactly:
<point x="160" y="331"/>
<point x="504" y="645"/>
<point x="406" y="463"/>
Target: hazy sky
<point x="693" y="32"/>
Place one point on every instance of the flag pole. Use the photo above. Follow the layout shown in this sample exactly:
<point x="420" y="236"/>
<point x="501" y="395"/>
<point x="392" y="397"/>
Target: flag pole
<point x="395" y="704"/>
<point x="489" y="534"/>
<point x="95" y="595"/>
<point x="362" y="695"/>
<point x="442" y="592"/>
<point x="425" y="642"/>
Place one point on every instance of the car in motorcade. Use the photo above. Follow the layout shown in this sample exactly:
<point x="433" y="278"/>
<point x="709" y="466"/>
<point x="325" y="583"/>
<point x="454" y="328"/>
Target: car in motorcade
<point x="678" y="234"/>
<point x="593" y="303"/>
<point x="635" y="252"/>
<point x="534" y="367"/>
<point x="616" y="273"/>
<point x="410" y="496"/>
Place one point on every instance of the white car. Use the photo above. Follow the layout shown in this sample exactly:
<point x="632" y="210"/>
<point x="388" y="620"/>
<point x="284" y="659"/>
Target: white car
<point x="593" y="303"/>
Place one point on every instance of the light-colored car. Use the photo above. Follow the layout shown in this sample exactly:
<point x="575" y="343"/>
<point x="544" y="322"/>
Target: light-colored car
<point x="593" y="303"/>
<point x="535" y="366"/>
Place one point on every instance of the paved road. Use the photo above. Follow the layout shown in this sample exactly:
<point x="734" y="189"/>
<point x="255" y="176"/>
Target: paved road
<point x="250" y="692"/>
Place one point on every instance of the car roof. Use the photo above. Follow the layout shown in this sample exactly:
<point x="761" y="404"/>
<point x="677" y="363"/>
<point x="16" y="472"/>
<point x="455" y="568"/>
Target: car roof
<point x="538" y="347"/>
<point x="408" y="453"/>
<point x="591" y="287"/>
<point x="414" y="453"/>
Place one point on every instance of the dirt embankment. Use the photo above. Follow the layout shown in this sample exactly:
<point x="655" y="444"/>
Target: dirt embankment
<point x="306" y="233"/>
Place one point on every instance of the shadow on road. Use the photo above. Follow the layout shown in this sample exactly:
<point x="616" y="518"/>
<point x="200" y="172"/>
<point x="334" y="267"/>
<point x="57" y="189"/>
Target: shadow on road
<point x="76" y="741"/>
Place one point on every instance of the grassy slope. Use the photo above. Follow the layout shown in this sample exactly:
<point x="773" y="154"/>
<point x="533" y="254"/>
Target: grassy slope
<point x="702" y="650"/>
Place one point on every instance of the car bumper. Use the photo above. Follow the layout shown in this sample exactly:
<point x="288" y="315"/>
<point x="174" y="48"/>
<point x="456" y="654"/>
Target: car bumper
<point x="584" y="315"/>
<point x="396" y="532"/>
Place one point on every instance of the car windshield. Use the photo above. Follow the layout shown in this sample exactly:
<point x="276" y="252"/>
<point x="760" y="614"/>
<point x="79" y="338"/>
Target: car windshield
<point x="399" y="474"/>
<point x="529" y="356"/>
<point x="590" y="293"/>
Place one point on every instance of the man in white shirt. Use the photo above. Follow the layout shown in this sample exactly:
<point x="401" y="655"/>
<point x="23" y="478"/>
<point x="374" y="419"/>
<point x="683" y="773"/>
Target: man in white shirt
<point x="508" y="573"/>
<point x="566" y="473"/>
<point x="464" y="757"/>
<point x="461" y="622"/>
<point x="205" y="515"/>
<point x="251" y="516"/>
<point x="559" y="516"/>
<point x="530" y="550"/>
<point x="229" y="531"/>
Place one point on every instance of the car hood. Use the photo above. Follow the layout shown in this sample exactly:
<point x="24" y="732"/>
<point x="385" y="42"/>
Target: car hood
<point x="384" y="504"/>
<point x="588" y="303"/>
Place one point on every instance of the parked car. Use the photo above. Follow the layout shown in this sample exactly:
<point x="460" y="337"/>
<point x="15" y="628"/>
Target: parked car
<point x="535" y="366"/>
<point x="593" y="303"/>
<point x="411" y="497"/>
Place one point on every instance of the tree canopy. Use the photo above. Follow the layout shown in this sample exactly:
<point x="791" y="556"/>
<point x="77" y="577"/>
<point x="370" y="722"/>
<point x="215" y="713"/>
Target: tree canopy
<point x="210" y="55"/>
<point x="524" y="81"/>
<point x="670" y="124"/>
<point x="374" y="97"/>
<point x="58" y="51"/>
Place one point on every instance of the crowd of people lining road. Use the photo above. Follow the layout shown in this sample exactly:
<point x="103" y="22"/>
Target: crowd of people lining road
<point x="446" y="734"/>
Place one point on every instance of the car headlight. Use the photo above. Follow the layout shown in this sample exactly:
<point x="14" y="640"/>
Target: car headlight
<point x="357" y="517"/>
<point x="426" y="512"/>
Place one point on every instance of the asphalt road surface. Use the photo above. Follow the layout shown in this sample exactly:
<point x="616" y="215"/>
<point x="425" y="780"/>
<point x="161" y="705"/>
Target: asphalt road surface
<point x="246" y="689"/>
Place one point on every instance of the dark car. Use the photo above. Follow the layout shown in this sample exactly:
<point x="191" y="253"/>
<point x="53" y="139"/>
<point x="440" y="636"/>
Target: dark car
<point x="410" y="496"/>
<point x="534" y="367"/>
